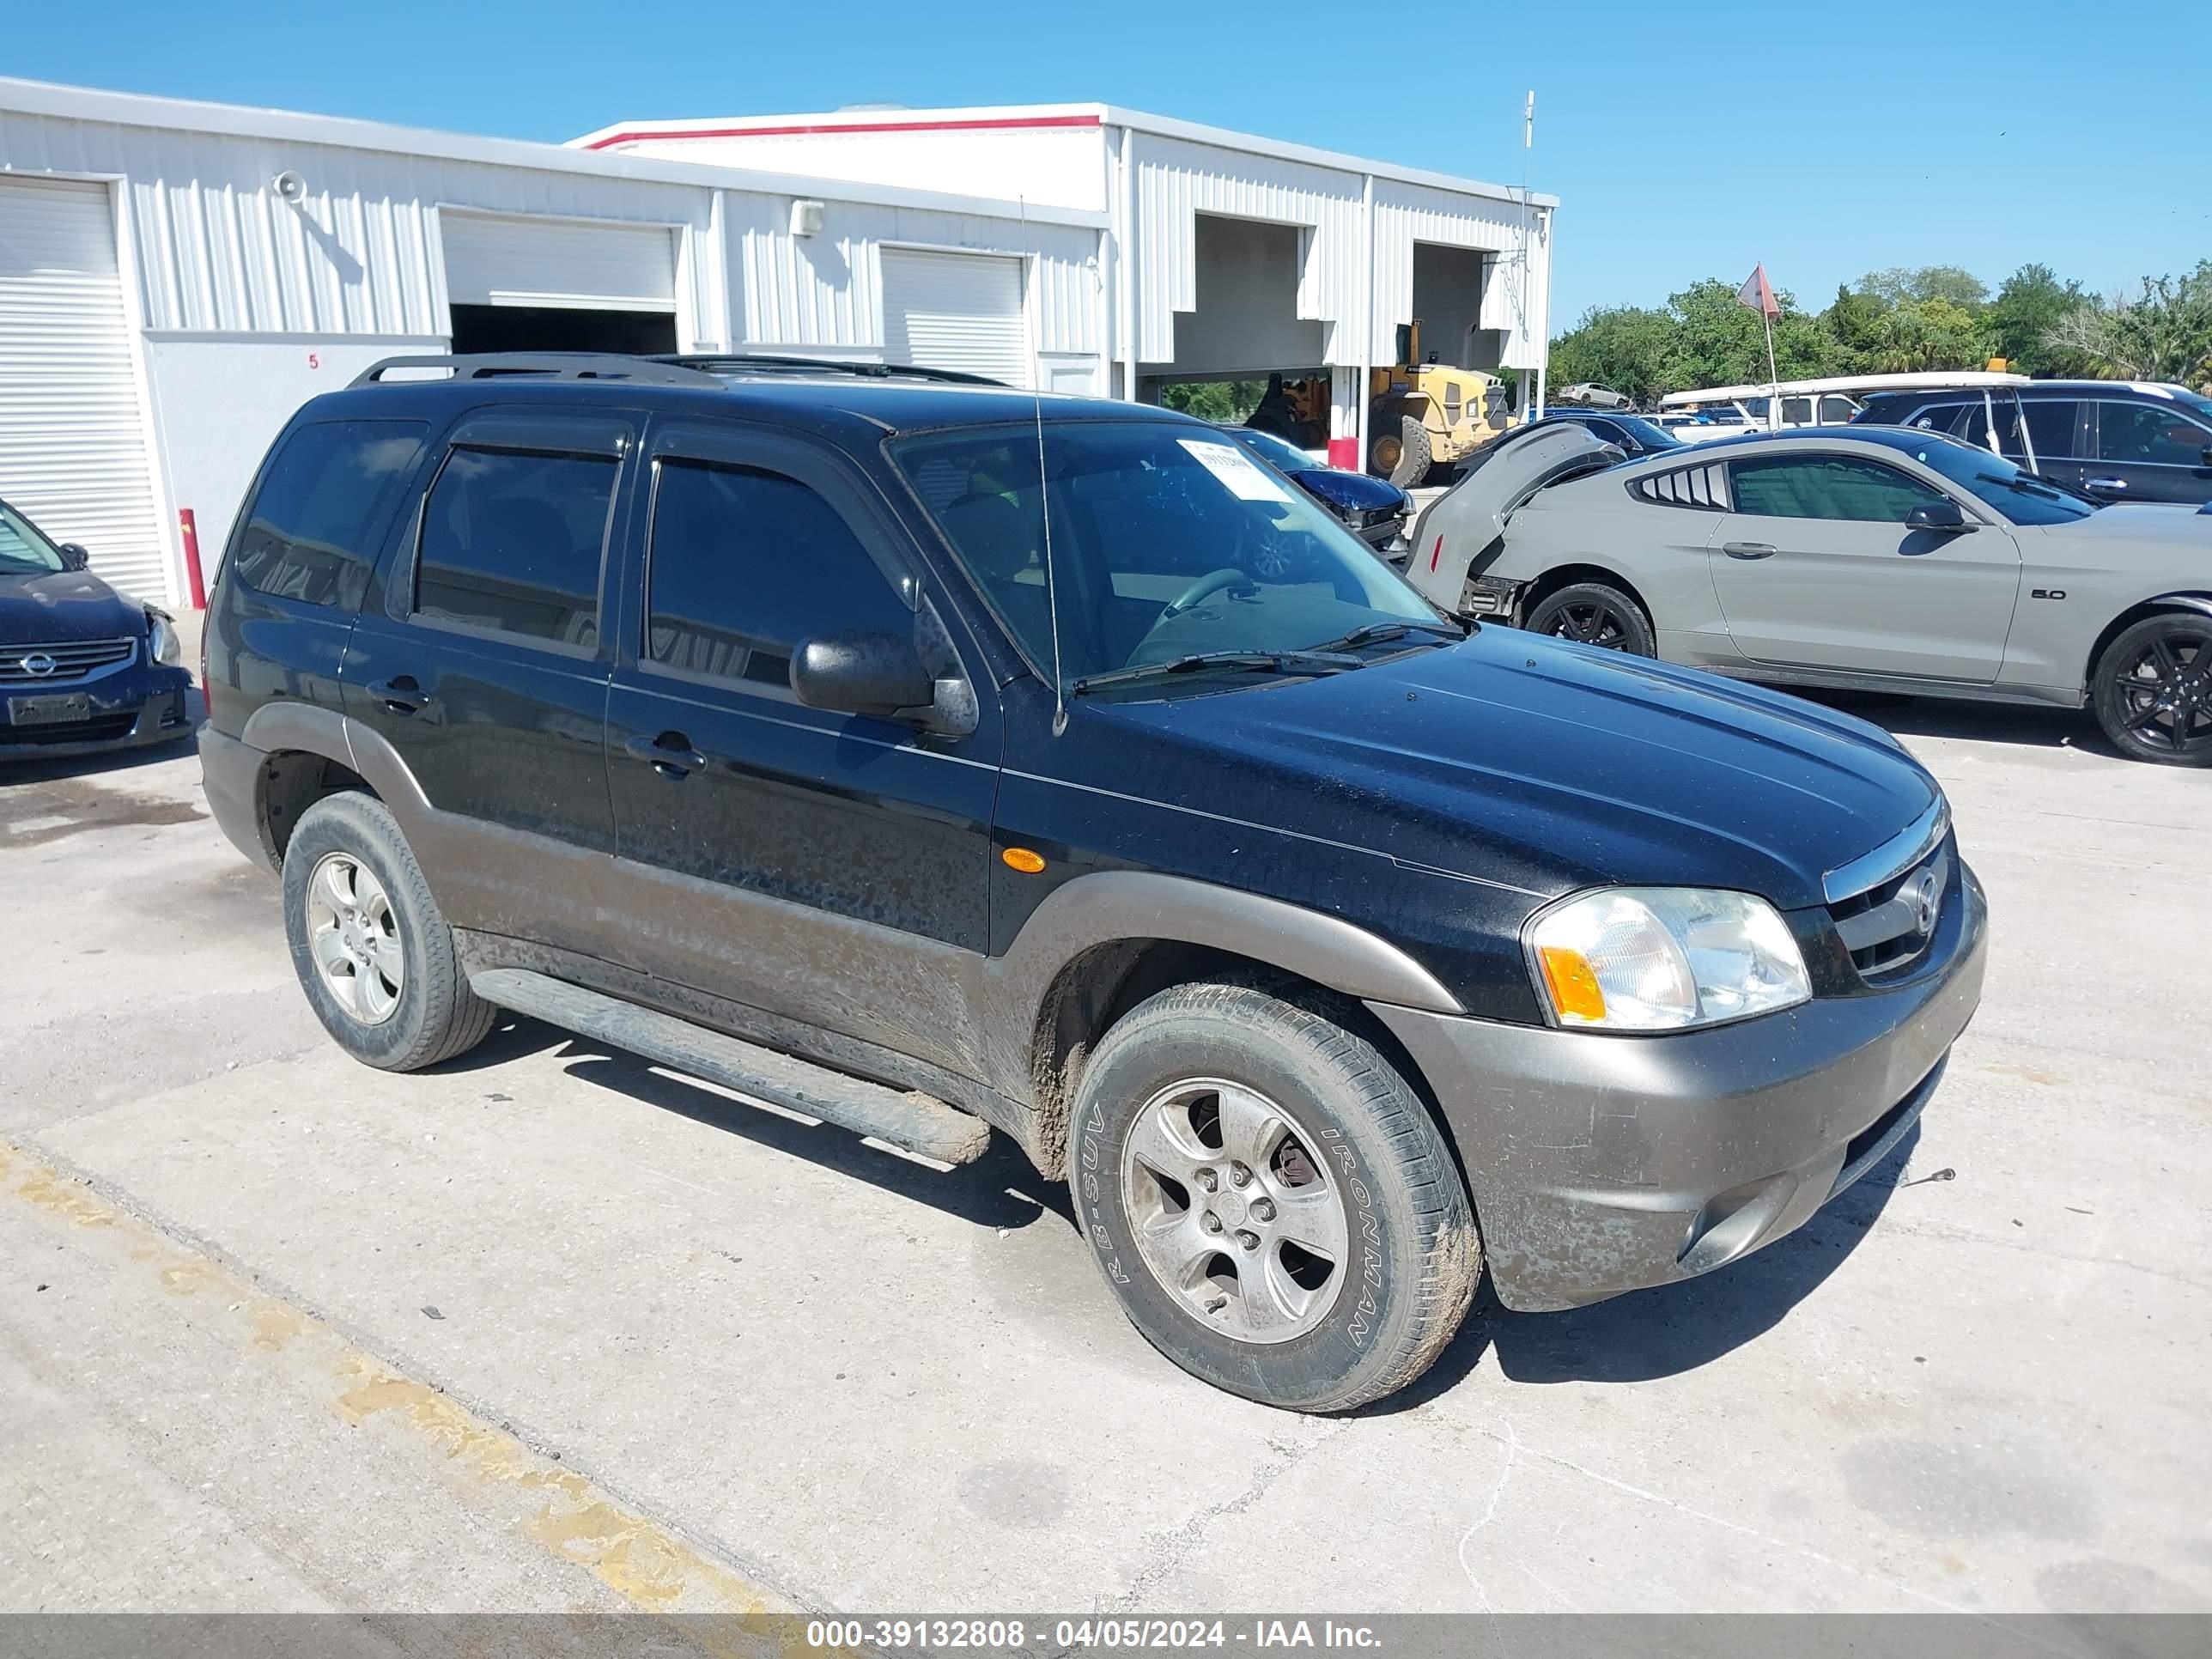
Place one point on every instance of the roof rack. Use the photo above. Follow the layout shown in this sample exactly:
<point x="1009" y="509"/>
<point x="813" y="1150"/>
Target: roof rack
<point x="550" y="365"/>
<point x="747" y="362"/>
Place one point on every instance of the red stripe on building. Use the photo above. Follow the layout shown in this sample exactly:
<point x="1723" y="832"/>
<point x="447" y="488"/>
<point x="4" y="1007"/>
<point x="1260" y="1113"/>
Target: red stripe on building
<point x="1344" y="453"/>
<point x="994" y="124"/>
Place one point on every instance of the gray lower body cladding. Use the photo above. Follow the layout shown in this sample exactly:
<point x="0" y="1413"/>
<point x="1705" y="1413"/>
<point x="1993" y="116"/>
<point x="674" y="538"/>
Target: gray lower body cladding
<point x="1600" y="1165"/>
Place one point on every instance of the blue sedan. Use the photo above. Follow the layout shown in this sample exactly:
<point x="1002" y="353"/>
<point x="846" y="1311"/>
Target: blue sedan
<point x="81" y="667"/>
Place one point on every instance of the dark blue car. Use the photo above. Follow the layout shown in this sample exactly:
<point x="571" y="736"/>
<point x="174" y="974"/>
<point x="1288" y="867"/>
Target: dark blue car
<point x="81" y="667"/>
<point x="1373" y="509"/>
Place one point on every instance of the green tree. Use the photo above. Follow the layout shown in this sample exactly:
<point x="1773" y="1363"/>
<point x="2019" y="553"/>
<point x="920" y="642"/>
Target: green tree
<point x="1624" y="347"/>
<point x="1900" y="285"/>
<point x="1721" y="341"/>
<point x="2032" y="304"/>
<point x="1231" y="401"/>
<point x="2163" y="333"/>
<point x="1855" y="325"/>
<point x="1931" y="333"/>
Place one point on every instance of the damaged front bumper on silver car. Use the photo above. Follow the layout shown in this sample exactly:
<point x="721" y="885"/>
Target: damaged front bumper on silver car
<point x="1604" y="1163"/>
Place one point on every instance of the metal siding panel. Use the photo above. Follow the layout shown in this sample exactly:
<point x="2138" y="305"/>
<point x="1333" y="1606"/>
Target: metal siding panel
<point x="72" y="438"/>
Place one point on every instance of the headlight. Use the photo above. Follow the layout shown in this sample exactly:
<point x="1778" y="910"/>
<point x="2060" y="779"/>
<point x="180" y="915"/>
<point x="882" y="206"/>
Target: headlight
<point x="1659" y="958"/>
<point x="161" y="640"/>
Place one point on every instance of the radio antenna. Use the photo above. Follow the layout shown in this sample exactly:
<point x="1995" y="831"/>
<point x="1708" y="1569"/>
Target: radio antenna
<point x="1044" y="510"/>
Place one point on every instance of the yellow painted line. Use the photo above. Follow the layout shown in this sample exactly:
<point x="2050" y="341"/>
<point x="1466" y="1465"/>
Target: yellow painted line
<point x="652" y="1568"/>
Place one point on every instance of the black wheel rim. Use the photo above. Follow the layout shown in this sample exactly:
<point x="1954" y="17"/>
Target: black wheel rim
<point x="1592" y="622"/>
<point x="2166" y="693"/>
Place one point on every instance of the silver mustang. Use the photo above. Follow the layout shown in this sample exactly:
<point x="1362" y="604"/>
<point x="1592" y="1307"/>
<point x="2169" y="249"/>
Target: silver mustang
<point x="1874" y="558"/>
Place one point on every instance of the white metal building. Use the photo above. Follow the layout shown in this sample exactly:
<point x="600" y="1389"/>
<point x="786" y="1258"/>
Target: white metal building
<point x="176" y="277"/>
<point x="1225" y="254"/>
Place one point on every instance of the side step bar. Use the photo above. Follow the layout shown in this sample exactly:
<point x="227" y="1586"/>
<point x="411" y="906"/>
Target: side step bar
<point x="917" y="1122"/>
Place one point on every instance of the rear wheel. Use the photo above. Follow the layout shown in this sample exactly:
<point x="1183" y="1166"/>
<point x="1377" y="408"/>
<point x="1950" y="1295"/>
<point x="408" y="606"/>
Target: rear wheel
<point x="2153" y="690"/>
<point x="372" y="951"/>
<point x="1594" y="613"/>
<point x="1270" y="1200"/>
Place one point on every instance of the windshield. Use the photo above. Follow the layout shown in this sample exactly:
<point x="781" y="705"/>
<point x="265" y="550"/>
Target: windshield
<point x="1650" y="434"/>
<point x="2193" y="401"/>
<point x="1276" y="452"/>
<point x="1168" y="542"/>
<point x="24" y="551"/>
<point x="2019" y="496"/>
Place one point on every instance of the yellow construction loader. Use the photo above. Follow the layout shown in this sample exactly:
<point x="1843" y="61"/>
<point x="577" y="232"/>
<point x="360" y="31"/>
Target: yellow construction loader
<point x="1420" y="415"/>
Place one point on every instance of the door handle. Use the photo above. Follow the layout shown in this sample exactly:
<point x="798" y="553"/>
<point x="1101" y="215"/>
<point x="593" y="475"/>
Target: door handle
<point x="670" y="754"/>
<point x="2114" y="486"/>
<point x="1749" y="549"/>
<point x="401" y="695"/>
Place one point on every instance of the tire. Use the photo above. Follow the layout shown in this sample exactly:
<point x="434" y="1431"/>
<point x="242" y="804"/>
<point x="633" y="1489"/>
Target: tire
<point x="2153" y="690"/>
<point x="1416" y="454"/>
<point x="1352" y="1134"/>
<point x="1594" y="613"/>
<point x="423" y="1013"/>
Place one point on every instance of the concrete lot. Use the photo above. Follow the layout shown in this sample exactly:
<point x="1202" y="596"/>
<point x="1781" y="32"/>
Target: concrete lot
<point x="553" y="1329"/>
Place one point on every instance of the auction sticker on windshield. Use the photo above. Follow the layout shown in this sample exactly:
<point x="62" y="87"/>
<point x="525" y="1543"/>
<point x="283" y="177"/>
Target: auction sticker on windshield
<point x="1236" y="469"/>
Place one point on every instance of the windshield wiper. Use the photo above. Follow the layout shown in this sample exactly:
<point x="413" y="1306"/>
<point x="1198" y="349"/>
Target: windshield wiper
<point x="1257" y="662"/>
<point x="2033" y="486"/>
<point x="1379" y="633"/>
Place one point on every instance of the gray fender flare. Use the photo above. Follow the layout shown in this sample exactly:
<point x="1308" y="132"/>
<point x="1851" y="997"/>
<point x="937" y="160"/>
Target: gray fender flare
<point x="1125" y="906"/>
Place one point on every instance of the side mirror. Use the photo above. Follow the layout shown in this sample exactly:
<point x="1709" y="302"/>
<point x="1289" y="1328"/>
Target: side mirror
<point x="1947" y="516"/>
<point x="2208" y="454"/>
<point x="74" y="556"/>
<point x="873" y="673"/>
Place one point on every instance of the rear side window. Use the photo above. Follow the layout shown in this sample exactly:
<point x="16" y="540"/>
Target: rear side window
<point x="2149" y="434"/>
<point x="1827" y="487"/>
<point x="2054" y="426"/>
<point x="744" y="564"/>
<point x="512" y="542"/>
<point x="1837" y="411"/>
<point x="314" y="530"/>
<point x="1938" y="418"/>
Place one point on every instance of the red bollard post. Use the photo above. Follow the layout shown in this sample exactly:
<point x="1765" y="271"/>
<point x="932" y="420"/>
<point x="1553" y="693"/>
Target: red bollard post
<point x="191" y="532"/>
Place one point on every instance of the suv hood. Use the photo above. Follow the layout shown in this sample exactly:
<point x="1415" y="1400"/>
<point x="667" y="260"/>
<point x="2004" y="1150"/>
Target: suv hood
<point x="65" y="604"/>
<point x="1550" y="766"/>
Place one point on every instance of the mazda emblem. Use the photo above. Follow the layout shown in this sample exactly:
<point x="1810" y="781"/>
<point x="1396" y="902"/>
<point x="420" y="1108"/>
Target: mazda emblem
<point x="1925" y="893"/>
<point x="40" y="664"/>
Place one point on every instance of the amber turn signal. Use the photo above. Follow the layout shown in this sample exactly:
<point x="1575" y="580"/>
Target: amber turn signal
<point x="1574" y="987"/>
<point x="1021" y="859"/>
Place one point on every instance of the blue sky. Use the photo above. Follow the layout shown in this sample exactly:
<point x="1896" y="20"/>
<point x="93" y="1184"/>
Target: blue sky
<point x="1977" y="134"/>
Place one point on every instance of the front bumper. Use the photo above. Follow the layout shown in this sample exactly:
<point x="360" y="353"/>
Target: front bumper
<point x="145" y="704"/>
<point x="1601" y="1164"/>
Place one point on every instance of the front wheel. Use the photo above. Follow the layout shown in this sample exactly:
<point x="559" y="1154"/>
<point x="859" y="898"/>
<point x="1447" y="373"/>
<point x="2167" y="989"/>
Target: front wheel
<point x="1270" y="1200"/>
<point x="2153" y="690"/>
<point x="1404" y="457"/>
<point x="1593" y="613"/>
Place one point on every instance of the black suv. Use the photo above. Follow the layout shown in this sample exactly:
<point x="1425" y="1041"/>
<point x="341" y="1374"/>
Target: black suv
<point x="934" y="758"/>
<point x="2118" y="441"/>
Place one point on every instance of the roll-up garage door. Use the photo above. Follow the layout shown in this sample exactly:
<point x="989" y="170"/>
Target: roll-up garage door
<point x="492" y="260"/>
<point x="73" y="451"/>
<point x="960" y="311"/>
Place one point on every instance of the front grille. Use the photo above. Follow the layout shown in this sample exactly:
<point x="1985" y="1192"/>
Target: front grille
<point x="102" y="728"/>
<point x="57" y="664"/>
<point x="1890" y="926"/>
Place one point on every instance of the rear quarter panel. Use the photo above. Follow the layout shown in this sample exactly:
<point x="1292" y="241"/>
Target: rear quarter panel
<point x="1660" y="552"/>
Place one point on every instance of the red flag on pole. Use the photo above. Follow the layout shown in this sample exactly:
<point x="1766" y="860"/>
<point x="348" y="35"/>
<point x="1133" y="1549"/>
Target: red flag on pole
<point x="1757" y="294"/>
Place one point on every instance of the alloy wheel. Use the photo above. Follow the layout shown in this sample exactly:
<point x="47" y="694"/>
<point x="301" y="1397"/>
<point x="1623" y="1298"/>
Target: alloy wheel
<point x="1234" y="1211"/>
<point x="1591" y="622"/>
<point x="2166" y="694"/>
<point x="353" y="936"/>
